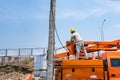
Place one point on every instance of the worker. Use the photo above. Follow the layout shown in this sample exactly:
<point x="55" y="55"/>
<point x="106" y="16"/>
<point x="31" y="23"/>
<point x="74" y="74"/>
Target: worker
<point x="79" y="43"/>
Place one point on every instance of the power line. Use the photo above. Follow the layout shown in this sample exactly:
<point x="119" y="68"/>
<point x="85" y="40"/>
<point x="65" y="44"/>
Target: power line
<point x="59" y="39"/>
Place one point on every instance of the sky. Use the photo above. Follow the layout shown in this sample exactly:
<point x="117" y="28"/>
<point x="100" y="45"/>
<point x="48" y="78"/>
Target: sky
<point x="25" y="23"/>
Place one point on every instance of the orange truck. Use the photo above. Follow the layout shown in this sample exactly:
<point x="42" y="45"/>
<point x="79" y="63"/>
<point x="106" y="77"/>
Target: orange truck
<point x="103" y="62"/>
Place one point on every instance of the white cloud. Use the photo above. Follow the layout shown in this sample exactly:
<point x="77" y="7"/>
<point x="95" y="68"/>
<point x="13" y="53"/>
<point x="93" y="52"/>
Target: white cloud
<point x="14" y="16"/>
<point x="104" y="7"/>
<point x="116" y="8"/>
<point x="83" y="14"/>
<point x="117" y="26"/>
<point x="110" y="6"/>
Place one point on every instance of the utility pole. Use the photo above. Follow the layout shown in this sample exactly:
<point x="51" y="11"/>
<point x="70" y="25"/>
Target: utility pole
<point x="51" y="43"/>
<point x="102" y="31"/>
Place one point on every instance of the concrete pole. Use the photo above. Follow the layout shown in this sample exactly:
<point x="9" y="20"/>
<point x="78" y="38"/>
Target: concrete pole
<point x="51" y="43"/>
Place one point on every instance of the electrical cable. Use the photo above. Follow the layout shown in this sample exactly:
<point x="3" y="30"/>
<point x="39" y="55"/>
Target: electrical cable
<point x="59" y="38"/>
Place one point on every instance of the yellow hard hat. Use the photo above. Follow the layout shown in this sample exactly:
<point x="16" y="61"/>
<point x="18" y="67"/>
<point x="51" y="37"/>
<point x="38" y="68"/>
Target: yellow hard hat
<point x="72" y="30"/>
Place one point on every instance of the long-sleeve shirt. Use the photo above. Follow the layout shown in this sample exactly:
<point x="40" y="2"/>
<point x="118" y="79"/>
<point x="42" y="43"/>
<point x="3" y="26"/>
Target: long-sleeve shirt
<point x="75" y="37"/>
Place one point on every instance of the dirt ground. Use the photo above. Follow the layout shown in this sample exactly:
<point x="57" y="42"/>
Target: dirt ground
<point x="19" y="70"/>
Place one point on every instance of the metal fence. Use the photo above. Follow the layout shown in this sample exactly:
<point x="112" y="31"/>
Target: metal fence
<point x="23" y="52"/>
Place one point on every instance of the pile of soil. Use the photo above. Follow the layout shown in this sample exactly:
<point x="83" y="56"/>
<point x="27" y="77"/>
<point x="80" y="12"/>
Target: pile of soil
<point x="20" y="70"/>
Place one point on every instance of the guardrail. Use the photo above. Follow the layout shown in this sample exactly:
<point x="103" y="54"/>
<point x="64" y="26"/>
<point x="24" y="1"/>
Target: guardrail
<point x="23" y="52"/>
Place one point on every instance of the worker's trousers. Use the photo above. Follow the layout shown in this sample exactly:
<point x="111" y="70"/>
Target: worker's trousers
<point x="80" y="47"/>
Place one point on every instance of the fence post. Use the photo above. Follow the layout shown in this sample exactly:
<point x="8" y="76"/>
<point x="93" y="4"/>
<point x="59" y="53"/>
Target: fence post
<point x="6" y="52"/>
